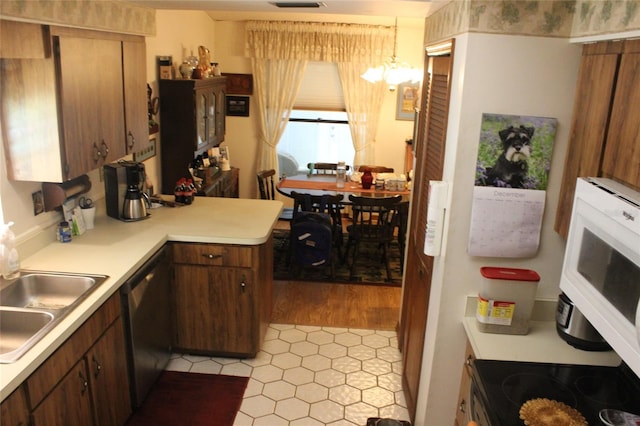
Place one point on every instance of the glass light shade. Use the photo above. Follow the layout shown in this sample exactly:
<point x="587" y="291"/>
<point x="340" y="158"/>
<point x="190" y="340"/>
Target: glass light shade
<point x="393" y="73"/>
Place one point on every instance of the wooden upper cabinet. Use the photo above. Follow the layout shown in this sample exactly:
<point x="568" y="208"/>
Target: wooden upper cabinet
<point x="622" y="152"/>
<point x="135" y="95"/>
<point x="91" y="100"/>
<point x="65" y="99"/>
<point x="604" y="138"/>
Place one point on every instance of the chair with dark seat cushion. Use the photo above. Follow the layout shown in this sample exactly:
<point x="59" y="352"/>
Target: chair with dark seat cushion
<point x="329" y="204"/>
<point x="374" y="220"/>
<point x="323" y="168"/>
<point x="315" y="229"/>
<point x="267" y="189"/>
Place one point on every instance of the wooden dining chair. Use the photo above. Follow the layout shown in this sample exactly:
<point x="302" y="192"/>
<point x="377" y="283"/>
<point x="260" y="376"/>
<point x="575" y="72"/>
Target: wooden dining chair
<point x="323" y="168"/>
<point x="374" y="220"/>
<point x="267" y="189"/>
<point x="376" y="169"/>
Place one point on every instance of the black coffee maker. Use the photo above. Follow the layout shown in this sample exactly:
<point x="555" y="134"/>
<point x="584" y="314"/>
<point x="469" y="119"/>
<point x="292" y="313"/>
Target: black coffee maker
<point x="124" y="196"/>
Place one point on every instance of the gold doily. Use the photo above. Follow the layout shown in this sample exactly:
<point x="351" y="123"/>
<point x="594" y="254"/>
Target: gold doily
<point x="547" y="412"/>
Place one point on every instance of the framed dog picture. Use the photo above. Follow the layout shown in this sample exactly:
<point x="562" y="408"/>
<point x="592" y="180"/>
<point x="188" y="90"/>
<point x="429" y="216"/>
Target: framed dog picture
<point x="515" y="151"/>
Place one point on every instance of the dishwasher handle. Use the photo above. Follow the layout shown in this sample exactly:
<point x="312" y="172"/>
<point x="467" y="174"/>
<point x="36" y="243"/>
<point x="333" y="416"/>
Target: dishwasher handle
<point x="140" y="276"/>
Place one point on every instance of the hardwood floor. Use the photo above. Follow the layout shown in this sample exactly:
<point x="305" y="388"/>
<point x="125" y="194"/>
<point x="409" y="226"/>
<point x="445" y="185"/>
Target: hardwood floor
<point x="336" y="305"/>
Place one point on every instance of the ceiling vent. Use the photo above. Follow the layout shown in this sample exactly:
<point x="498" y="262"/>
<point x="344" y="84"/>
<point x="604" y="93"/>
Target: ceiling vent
<point x="299" y="4"/>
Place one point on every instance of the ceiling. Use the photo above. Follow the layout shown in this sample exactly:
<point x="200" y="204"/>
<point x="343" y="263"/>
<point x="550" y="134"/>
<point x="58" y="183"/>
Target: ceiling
<point x="242" y="9"/>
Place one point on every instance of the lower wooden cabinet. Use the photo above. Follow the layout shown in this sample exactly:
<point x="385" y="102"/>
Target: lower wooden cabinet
<point x="14" y="410"/>
<point x="465" y="386"/>
<point x="222" y="297"/>
<point x="85" y="382"/>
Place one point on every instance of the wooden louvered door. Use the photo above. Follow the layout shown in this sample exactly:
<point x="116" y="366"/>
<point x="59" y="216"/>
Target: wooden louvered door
<point x="430" y="146"/>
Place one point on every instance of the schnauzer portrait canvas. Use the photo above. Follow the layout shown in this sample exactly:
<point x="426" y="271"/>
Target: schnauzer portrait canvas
<point x="515" y="151"/>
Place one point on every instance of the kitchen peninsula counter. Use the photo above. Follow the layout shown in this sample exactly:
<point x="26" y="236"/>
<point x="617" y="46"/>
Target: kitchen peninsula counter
<point x="117" y="249"/>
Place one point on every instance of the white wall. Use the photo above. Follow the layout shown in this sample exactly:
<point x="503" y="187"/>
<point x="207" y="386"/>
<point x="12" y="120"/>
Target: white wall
<point x="492" y="74"/>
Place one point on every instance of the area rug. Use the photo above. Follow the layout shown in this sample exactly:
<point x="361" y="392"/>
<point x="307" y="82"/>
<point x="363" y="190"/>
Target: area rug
<point x="369" y="269"/>
<point x="191" y="399"/>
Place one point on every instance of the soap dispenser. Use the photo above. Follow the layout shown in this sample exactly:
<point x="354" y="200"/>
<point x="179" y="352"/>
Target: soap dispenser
<point x="10" y="261"/>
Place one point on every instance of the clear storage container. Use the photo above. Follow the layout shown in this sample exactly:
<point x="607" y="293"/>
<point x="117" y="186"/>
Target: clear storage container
<point x="505" y="300"/>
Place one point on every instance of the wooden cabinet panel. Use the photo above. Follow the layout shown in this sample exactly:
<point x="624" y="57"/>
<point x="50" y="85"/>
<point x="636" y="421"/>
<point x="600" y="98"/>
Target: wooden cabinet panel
<point x="63" y="359"/>
<point x="596" y="81"/>
<point x="14" y="410"/>
<point x="85" y="381"/>
<point x="135" y="94"/>
<point x="604" y="138"/>
<point x="465" y="386"/>
<point x="622" y="152"/>
<point x="107" y="366"/>
<point x="91" y="101"/>
<point x="222" y="297"/>
<point x="213" y="255"/>
<point x="214" y="309"/>
<point x="63" y="99"/>
<point x="69" y="403"/>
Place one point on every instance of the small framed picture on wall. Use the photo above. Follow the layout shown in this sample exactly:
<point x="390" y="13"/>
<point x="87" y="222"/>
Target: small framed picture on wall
<point x="238" y="106"/>
<point x="408" y="95"/>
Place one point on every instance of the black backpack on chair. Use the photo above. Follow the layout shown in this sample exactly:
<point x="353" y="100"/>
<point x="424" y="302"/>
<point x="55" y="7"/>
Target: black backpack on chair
<point x="311" y="237"/>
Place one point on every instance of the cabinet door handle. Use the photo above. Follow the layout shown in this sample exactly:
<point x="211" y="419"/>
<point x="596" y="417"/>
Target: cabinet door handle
<point x="463" y="406"/>
<point x="212" y="256"/>
<point x="83" y="383"/>
<point x="97" y="367"/>
<point x="96" y="153"/>
<point x="132" y="139"/>
<point x="105" y="149"/>
<point x="243" y="286"/>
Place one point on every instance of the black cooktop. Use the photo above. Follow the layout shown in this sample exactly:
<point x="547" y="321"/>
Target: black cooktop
<point x="505" y="385"/>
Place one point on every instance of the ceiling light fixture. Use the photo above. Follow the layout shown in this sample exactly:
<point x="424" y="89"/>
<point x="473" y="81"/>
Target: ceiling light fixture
<point x="297" y="4"/>
<point x="393" y="72"/>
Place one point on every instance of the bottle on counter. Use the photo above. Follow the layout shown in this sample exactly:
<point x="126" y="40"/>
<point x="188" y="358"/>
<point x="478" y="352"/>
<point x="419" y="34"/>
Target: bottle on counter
<point x="10" y="260"/>
<point x="341" y="174"/>
<point x="64" y="232"/>
<point x="179" y="191"/>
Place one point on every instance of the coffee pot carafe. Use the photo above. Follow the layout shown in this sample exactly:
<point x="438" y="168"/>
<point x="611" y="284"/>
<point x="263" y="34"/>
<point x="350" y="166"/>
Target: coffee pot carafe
<point x="135" y="204"/>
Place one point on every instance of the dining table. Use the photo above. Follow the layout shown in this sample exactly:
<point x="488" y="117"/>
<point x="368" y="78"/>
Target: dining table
<point x="327" y="185"/>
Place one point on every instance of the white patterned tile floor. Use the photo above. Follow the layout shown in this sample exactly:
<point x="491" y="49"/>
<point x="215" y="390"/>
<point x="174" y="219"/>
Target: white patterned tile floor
<point x="313" y="376"/>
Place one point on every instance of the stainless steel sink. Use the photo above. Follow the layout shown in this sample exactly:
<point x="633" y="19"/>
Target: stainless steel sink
<point x="47" y="290"/>
<point x="20" y="329"/>
<point x="31" y="305"/>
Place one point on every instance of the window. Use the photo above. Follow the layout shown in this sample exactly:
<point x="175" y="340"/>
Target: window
<point x="318" y="129"/>
<point x="315" y="136"/>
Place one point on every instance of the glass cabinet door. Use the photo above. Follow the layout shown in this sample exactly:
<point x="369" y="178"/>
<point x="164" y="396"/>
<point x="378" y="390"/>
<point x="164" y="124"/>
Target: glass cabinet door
<point x="211" y="117"/>
<point x="201" y="119"/>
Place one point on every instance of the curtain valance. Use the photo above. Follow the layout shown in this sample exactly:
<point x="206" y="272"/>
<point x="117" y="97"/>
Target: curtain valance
<point x="319" y="41"/>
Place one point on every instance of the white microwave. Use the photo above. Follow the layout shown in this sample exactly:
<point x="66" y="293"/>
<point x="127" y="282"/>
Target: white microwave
<point x="601" y="268"/>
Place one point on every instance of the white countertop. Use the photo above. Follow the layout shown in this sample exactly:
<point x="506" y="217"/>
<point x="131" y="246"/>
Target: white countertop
<point x="541" y="344"/>
<point x="117" y="249"/>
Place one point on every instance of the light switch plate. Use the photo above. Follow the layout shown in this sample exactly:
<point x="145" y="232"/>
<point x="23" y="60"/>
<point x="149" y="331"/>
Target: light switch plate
<point x="146" y="152"/>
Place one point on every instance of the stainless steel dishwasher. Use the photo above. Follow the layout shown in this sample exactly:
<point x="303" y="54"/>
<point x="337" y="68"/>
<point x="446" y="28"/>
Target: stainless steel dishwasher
<point x="145" y="301"/>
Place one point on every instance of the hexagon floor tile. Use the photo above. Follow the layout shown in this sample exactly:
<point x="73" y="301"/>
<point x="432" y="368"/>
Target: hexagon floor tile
<point x="308" y="376"/>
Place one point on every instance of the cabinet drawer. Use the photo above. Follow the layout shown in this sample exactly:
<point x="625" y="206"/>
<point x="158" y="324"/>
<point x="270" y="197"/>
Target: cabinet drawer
<point x="213" y="255"/>
<point x="62" y="360"/>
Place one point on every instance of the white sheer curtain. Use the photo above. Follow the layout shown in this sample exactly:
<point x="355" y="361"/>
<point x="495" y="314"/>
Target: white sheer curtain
<point x="363" y="101"/>
<point x="280" y="51"/>
<point x="277" y="82"/>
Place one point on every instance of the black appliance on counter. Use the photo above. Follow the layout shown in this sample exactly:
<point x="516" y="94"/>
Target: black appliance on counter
<point x="123" y="187"/>
<point x="499" y="388"/>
